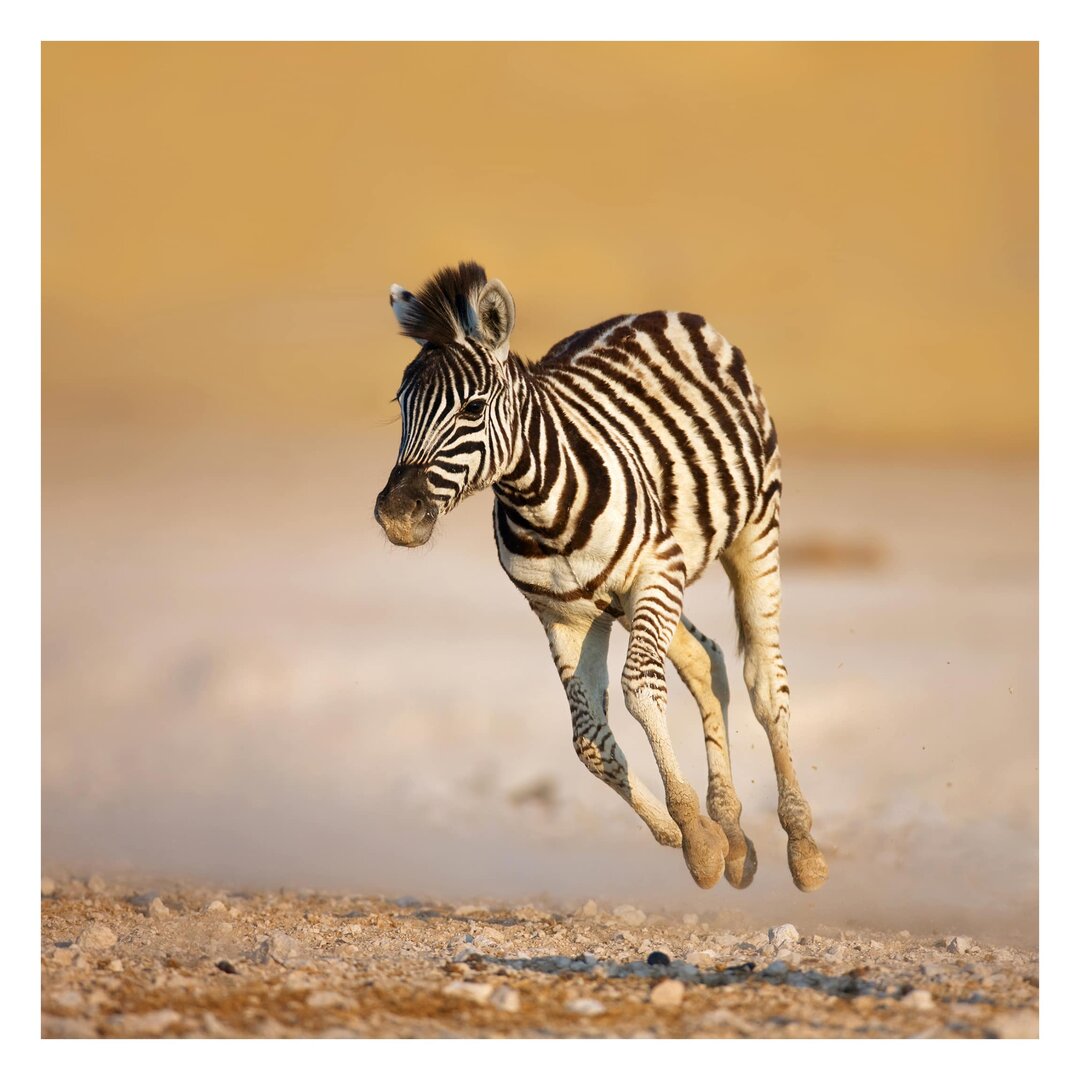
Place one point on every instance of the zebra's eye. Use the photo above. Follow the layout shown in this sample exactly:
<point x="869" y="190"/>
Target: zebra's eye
<point x="474" y="408"/>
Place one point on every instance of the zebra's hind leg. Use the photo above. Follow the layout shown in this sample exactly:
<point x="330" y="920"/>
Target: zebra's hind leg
<point x="579" y="649"/>
<point x="700" y="665"/>
<point x="753" y="565"/>
<point x="653" y="617"/>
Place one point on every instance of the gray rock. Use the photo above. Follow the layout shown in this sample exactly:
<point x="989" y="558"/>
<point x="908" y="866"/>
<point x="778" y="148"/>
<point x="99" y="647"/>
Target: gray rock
<point x="281" y="948"/>
<point x="667" y="994"/>
<point x="784" y="936"/>
<point x="960" y="945"/>
<point x="96" y="936"/>
<point x="777" y="967"/>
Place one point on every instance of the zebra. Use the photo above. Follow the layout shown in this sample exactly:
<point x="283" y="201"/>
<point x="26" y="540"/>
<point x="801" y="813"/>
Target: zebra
<point x="625" y="461"/>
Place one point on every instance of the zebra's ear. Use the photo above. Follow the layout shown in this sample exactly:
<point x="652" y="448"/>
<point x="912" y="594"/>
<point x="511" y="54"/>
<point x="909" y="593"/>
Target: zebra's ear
<point x="495" y="318"/>
<point x="408" y="311"/>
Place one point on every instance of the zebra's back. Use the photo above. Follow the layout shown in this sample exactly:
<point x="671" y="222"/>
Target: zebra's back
<point x="675" y="404"/>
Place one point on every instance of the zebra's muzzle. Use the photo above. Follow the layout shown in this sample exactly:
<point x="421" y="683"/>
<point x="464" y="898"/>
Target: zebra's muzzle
<point x="404" y="507"/>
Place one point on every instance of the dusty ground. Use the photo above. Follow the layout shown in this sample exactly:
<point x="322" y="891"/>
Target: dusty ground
<point x="120" y="960"/>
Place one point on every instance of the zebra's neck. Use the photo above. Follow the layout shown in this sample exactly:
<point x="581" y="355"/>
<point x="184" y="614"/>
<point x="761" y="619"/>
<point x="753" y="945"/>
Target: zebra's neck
<point x="535" y="479"/>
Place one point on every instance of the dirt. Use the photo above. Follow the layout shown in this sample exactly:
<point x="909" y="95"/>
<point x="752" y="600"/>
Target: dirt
<point x="189" y="961"/>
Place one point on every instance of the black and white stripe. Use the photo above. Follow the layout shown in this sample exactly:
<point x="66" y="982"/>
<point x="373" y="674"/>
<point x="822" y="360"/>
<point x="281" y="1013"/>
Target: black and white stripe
<point x="626" y="461"/>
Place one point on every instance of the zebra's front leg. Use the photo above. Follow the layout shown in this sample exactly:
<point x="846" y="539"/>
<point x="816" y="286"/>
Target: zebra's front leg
<point x="653" y="616"/>
<point x="579" y="649"/>
<point x="700" y="664"/>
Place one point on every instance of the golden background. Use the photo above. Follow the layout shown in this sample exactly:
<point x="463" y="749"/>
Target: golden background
<point x="222" y="221"/>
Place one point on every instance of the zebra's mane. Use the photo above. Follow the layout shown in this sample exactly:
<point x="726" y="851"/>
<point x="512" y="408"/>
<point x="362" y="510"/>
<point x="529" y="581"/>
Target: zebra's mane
<point x="445" y="308"/>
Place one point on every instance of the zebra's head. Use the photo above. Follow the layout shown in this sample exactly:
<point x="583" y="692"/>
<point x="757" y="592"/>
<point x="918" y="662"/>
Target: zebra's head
<point x="456" y="399"/>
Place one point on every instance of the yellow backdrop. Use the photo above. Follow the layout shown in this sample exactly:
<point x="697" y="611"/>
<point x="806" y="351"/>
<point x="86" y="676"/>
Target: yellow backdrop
<point x="221" y="221"/>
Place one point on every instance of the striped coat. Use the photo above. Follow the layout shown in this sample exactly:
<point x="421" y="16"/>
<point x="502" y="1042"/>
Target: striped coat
<point x="626" y="461"/>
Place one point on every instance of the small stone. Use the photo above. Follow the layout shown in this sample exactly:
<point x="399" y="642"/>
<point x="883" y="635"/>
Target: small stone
<point x="282" y="948"/>
<point x="149" y="1023"/>
<point x="506" y="999"/>
<point x="116" y="965"/>
<point x="48" y="886"/>
<point x="658" y="959"/>
<point x="588" y="909"/>
<point x="585" y="1007"/>
<point x="478" y="993"/>
<point x="96" y="884"/>
<point x="629" y="914"/>
<point x="472" y="909"/>
<point x="960" y="945"/>
<point x="464" y="954"/>
<point x="224" y="965"/>
<point x="326" y="999"/>
<point x="777" y="967"/>
<point x="157" y="910"/>
<point x="215" y="907"/>
<point x="784" y="936"/>
<point x="97" y="936"/>
<point x="918" y="999"/>
<point x="668" y="994"/>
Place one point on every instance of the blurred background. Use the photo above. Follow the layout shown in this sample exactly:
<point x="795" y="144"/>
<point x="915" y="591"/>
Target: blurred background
<point x="243" y="681"/>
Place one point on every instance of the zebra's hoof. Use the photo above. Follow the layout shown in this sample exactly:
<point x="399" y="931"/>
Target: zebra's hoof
<point x="741" y="865"/>
<point x="704" y="847"/>
<point x="809" y="870"/>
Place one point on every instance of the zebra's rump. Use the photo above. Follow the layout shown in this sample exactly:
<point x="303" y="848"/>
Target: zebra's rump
<point x="672" y="404"/>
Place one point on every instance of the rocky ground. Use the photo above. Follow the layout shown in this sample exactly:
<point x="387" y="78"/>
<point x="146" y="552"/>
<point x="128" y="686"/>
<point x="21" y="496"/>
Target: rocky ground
<point x="124" y="960"/>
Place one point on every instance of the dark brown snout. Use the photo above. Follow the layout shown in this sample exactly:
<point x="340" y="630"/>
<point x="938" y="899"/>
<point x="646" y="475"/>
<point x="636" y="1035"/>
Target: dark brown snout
<point x="404" y="508"/>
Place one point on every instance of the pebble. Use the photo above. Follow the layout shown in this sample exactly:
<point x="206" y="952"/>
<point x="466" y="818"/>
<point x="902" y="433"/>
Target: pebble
<point x="918" y="999"/>
<point x="960" y="945"/>
<point x="157" y="910"/>
<point x="283" y="948"/>
<point x="116" y="965"/>
<point x="585" y="1007"/>
<point x="658" y="959"/>
<point x="784" y="936"/>
<point x="589" y="909"/>
<point x="48" y="886"/>
<point x="96" y="884"/>
<point x="97" y="936"/>
<point x="480" y="993"/>
<point x="224" y="965"/>
<point x="148" y="1023"/>
<point x="506" y="999"/>
<point x="777" y="967"/>
<point x="629" y="914"/>
<point x="668" y="994"/>
<point x="215" y="907"/>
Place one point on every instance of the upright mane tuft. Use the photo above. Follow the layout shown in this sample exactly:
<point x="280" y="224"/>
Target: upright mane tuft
<point x="445" y="309"/>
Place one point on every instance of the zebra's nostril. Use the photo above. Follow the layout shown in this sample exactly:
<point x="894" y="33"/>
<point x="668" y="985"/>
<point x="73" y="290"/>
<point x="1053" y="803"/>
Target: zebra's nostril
<point x="417" y="506"/>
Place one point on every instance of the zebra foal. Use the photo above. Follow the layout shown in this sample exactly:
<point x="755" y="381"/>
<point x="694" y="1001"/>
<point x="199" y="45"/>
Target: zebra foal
<point x="623" y="463"/>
